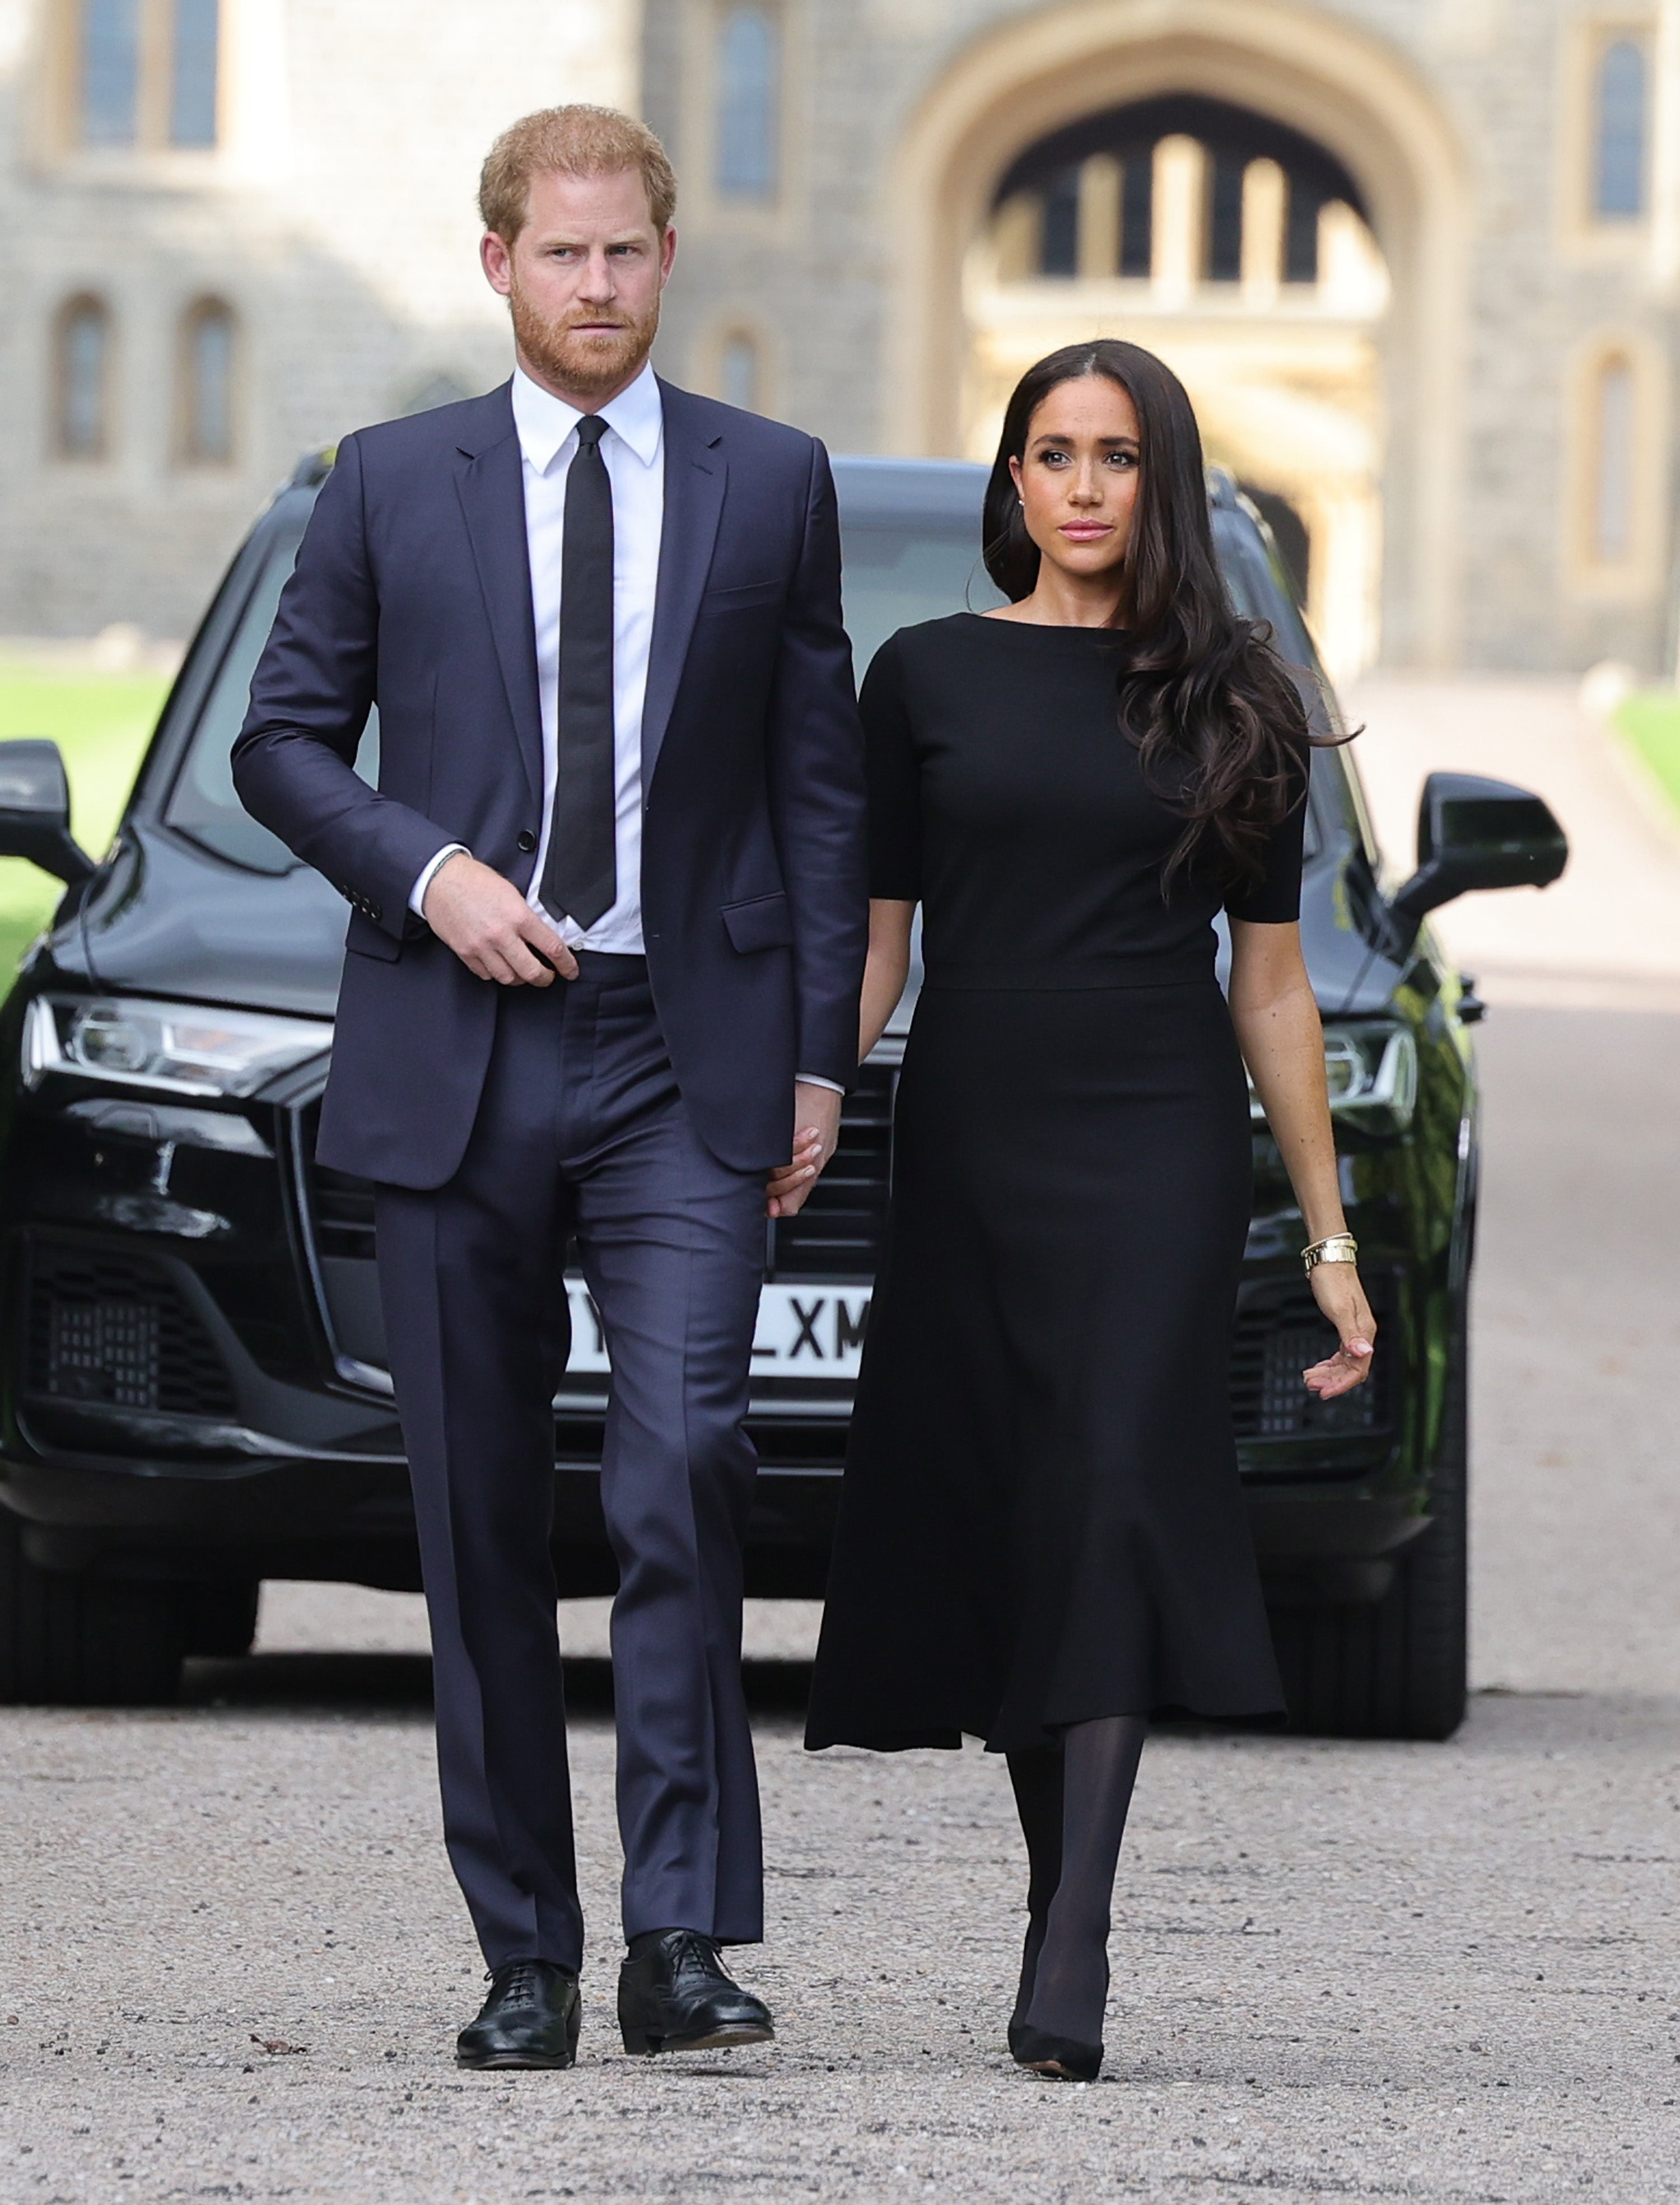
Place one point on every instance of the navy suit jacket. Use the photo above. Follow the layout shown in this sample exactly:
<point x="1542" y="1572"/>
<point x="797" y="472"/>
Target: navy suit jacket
<point x="413" y="590"/>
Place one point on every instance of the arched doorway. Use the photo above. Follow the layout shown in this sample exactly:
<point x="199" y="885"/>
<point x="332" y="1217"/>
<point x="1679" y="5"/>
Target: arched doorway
<point x="1238" y="250"/>
<point x="1287" y="127"/>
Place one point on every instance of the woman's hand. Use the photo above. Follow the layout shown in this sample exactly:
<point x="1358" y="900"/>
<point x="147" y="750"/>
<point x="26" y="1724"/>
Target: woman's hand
<point x="1276" y="1021"/>
<point x="1337" y="1290"/>
<point x="817" y="1134"/>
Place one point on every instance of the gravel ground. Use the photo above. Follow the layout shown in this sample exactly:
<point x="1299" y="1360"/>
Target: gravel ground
<point x="232" y="1961"/>
<point x="1362" y="1971"/>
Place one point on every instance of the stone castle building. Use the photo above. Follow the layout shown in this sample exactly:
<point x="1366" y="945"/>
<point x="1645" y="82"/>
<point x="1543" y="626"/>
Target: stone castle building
<point x="1418" y="261"/>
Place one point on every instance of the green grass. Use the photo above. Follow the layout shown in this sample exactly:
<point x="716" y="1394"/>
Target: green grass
<point x="1650" y="720"/>
<point x="101" y="722"/>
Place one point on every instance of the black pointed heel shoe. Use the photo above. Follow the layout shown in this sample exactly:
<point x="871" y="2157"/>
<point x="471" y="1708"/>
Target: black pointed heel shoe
<point x="1063" y="2058"/>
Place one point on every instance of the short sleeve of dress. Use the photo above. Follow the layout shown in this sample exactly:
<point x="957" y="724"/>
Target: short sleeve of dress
<point x="1275" y="898"/>
<point x="895" y="794"/>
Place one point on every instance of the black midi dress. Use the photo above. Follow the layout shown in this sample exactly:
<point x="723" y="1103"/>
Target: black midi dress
<point x="1040" y="1521"/>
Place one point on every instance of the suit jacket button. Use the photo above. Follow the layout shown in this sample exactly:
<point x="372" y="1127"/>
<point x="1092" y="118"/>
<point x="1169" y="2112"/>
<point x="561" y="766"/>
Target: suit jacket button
<point x="375" y="913"/>
<point x="527" y="842"/>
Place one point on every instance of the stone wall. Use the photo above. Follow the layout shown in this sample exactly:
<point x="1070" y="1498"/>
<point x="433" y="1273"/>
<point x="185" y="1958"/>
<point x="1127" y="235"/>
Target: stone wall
<point x="1500" y="75"/>
<point x="338" y="221"/>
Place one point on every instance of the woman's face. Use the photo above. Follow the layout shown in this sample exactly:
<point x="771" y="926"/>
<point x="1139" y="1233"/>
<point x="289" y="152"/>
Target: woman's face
<point x="1078" y="479"/>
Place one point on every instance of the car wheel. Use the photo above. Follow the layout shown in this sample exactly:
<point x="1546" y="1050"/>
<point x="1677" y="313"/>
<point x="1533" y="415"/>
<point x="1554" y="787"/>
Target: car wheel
<point x="221" y="1617"/>
<point x="83" y="1642"/>
<point x="1394" y="1668"/>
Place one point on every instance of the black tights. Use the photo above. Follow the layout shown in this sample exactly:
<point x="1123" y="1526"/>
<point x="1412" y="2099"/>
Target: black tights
<point x="1072" y="1805"/>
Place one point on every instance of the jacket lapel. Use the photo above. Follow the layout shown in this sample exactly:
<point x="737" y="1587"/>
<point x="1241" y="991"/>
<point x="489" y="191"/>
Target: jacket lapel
<point x="491" y="481"/>
<point x="696" y="477"/>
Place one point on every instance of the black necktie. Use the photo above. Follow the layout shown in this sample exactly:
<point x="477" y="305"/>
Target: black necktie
<point x="580" y="876"/>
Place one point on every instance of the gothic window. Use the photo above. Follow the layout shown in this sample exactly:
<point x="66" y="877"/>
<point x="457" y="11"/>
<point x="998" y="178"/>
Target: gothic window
<point x="109" y="71"/>
<point x="738" y="371"/>
<point x="148" y="73"/>
<point x="193" y="72"/>
<point x="1619" y="131"/>
<point x="1300" y="234"/>
<point x="1613" y="487"/>
<point x="81" y="380"/>
<point x="1225" y="217"/>
<point x="1137" y="196"/>
<point x="1054" y="220"/>
<point x="1059" y="246"/>
<point x="748" y="95"/>
<point x="206" y="400"/>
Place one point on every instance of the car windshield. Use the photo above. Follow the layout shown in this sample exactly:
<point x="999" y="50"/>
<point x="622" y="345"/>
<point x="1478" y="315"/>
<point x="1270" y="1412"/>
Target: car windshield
<point x="894" y="574"/>
<point x="202" y="804"/>
<point x="897" y="570"/>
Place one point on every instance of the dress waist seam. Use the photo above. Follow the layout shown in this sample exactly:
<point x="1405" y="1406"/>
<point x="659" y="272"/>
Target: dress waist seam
<point x="1039" y="986"/>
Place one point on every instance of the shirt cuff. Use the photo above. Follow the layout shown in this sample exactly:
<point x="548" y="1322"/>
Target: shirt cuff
<point x="417" y="894"/>
<point x="814" y="1079"/>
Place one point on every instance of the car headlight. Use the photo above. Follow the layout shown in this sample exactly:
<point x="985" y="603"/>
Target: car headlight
<point x="1371" y="1071"/>
<point x="179" y="1049"/>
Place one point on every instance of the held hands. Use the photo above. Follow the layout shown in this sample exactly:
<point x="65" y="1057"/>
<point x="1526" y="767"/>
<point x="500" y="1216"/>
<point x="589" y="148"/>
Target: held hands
<point x="1337" y="1290"/>
<point x="817" y="1130"/>
<point x="492" y="929"/>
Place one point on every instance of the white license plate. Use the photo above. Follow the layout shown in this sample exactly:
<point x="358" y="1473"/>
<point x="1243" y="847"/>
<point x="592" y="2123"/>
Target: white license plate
<point x="803" y="1332"/>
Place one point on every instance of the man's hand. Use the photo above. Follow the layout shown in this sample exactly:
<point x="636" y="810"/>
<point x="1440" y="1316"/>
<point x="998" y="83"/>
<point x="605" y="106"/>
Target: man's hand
<point x="816" y="1131"/>
<point x="492" y="929"/>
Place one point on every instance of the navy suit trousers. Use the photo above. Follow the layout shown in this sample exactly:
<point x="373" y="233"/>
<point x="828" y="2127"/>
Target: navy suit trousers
<point x="581" y="1132"/>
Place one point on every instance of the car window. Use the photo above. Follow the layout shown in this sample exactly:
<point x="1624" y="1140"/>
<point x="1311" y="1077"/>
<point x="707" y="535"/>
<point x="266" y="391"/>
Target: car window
<point x="894" y="574"/>
<point x="202" y="804"/>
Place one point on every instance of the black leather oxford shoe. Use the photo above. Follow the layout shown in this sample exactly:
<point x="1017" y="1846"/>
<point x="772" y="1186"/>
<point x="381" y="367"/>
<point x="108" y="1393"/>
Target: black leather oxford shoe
<point x="529" y="2020"/>
<point x="675" y="1995"/>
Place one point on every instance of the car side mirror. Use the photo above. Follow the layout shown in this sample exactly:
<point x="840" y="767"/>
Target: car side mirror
<point x="35" y="810"/>
<point x="1477" y="834"/>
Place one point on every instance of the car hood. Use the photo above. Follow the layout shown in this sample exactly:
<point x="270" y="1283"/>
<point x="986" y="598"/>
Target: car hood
<point x="163" y="918"/>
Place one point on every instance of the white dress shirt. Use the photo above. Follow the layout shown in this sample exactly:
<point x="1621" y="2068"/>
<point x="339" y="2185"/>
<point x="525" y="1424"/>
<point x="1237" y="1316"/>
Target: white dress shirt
<point x="634" y="452"/>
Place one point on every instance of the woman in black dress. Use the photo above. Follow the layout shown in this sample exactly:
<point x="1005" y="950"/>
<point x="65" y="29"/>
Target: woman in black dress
<point x="1042" y="1540"/>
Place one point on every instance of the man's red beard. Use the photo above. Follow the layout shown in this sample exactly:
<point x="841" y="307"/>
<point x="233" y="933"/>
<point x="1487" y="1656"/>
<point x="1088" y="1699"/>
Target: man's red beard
<point x="599" y="361"/>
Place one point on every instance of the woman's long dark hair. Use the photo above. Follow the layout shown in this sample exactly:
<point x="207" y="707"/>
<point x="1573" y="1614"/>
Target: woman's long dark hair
<point x="1221" y="726"/>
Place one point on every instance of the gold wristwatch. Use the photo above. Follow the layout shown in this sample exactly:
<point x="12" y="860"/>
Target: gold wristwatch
<point x="1334" y="1248"/>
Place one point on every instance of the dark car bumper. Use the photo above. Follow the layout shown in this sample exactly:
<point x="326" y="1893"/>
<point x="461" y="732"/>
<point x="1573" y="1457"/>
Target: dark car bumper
<point x="211" y="1407"/>
<point x="349" y="1518"/>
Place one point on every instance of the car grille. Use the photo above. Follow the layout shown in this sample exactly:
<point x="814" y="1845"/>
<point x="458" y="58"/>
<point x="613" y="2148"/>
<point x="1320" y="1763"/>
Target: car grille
<point x="342" y="1209"/>
<point x="837" y="1235"/>
<point x="1280" y="1332"/>
<point x="118" y="1331"/>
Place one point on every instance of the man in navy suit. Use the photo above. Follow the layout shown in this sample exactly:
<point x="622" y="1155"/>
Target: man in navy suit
<point x="604" y="960"/>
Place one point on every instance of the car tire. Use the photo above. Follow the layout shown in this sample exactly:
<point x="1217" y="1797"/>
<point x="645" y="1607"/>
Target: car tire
<point x="1394" y="1668"/>
<point x="84" y="1641"/>
<point x="221" y="1617"/>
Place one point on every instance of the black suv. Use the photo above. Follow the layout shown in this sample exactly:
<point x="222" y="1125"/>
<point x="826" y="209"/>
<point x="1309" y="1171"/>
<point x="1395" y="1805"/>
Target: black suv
<point x="193" y="1385"/>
